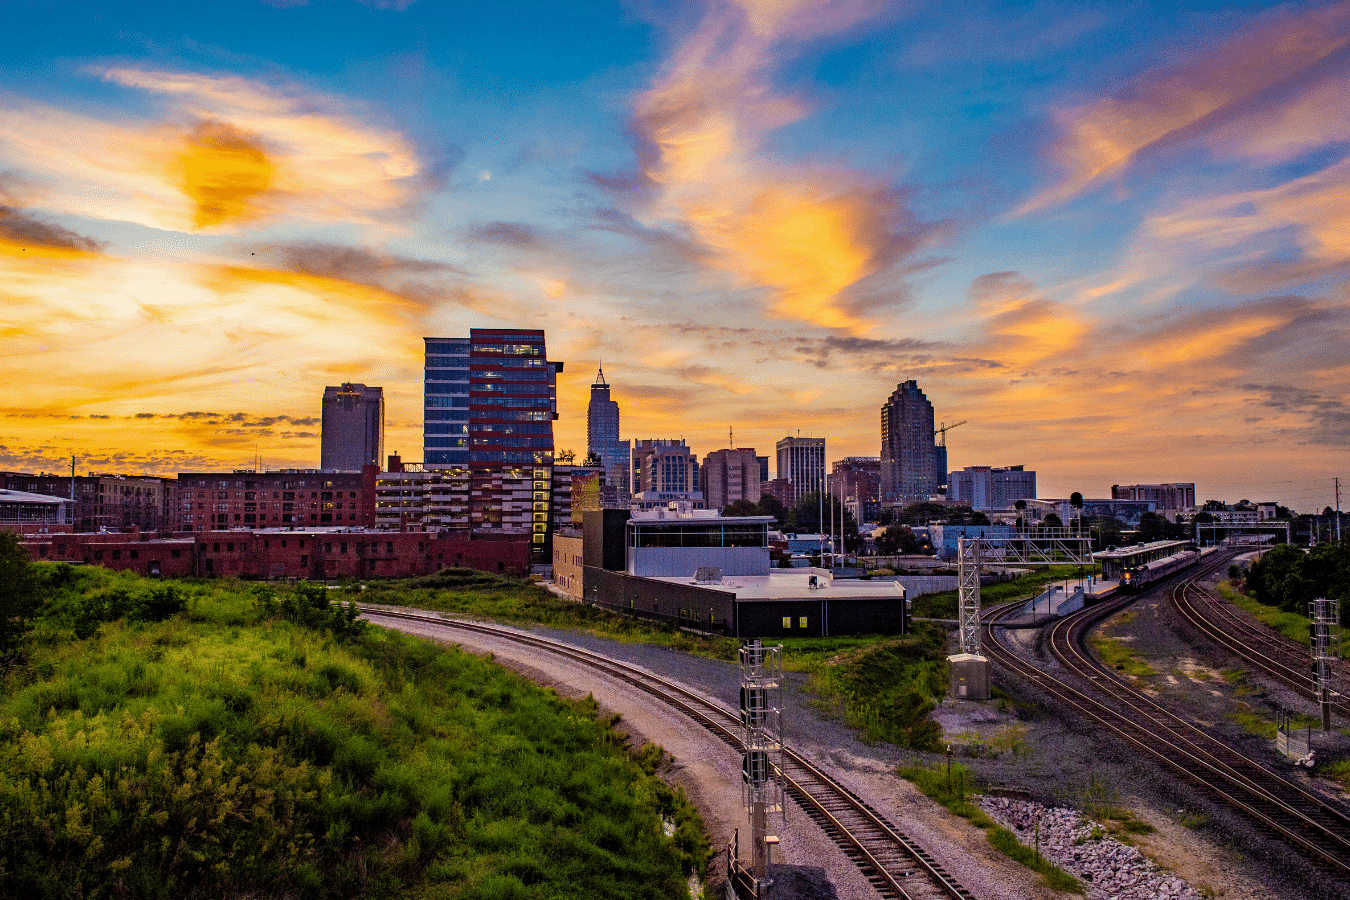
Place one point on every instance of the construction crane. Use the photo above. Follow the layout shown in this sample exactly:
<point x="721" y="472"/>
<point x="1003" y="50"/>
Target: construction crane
<point x="941" y="433"/>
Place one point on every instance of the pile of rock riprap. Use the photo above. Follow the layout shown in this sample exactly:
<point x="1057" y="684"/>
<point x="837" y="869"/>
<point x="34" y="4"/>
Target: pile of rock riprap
<point x="1108" y="869"/>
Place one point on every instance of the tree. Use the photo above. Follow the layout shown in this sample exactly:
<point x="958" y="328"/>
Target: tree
<point x="886" y="516"/>
<point x="1104" y="530"/>
<point x="1214" y="506"/>
<point x="898" y="539"/>
<point x="1052" y="521"/>
<point x="742" y="508"/>
<point x="1021" y="506"/>
<point x="769" y="505"/>
<point x="18" y="592"/>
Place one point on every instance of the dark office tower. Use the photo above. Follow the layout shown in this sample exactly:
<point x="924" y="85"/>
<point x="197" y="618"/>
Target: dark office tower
<point x="908" y="454"/>
<point x="490" y="405"/>
<point x="602" y="436"/>
<point x="353" y="427"/>
<point x="801" y="461"/>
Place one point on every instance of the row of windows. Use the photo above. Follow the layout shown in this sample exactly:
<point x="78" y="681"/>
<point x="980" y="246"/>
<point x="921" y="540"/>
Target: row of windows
<point x="707" y="536"/>
<point x="513" y="428"/>
<point x="442" y="415"/>
<point x="530" y="389"/>
<point x="539" y="443"/>
<point x="447" y="402"/>
<point x="509" y="349"/>
<point x="445" y="457"/>
<point x="446" y="387"/>
<point x="448" y="362"/>
<point x="445" y="442"/>
<point x="510" y="456"/>
<point x="457" y="347"/>
<point x="514" y="376"/>
<point x="517" y="402"/>
<point x="446" y="429"/>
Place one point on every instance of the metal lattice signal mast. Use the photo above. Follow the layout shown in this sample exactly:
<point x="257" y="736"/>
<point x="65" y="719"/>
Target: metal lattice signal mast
<point x="968" y="589"/>
<point x="1325" y="633"/>
<point x="762" y="733"/>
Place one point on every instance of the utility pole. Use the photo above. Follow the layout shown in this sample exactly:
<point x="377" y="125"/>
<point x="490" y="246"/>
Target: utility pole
<point x="1338" y="509"/>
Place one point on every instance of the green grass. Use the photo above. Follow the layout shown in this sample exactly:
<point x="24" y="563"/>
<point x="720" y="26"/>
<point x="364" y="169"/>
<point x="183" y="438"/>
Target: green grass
<point x="884" y="687"/>
<point x="468" y="592"/>
<point x="1253" y="722"/>
<point x="949" y="788"/>
<point x="942" y="605"/>
<point x="1338" y="771"/>
<point x="1117" y="653"/>
<point x="228" y="751"/>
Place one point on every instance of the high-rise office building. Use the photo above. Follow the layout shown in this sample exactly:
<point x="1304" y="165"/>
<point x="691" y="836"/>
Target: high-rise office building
<point x="602" y="436"/>
<point x="353" y="427"/>
<point x="990" y="487"/>
<point x="1171" y="498"/>
<point x="801" y="462"/>
<point x="908" y="454"/>
<point x="729" y="475"/>
<point x="491" y="400"/>
<point x="664" y="470"/>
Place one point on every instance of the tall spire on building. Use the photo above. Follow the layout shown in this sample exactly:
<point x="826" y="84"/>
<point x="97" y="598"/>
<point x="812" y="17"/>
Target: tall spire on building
<point x="600" y="376"/>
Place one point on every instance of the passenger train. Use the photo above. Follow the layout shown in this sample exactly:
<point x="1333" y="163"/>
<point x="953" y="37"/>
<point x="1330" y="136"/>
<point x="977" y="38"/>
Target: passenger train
<point x="1137" y="578"/>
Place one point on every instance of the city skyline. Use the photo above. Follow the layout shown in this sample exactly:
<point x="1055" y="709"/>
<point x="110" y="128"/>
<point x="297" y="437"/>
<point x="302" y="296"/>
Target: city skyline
<point x="1112" y="240"/>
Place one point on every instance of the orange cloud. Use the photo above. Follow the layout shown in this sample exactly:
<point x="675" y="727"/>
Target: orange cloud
<point x="223" y="152"/>
<point x="1101" y="138"/>
<point x="223" y="170"/>
<point x="808" y="234"/>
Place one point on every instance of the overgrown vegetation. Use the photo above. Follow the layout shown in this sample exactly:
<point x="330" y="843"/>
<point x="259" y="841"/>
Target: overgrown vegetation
<point x="259" y="743"/>
<point x="1287" y="578"/>
<point x="1101" y="802"/>
<point x="1293" y="625"/>
<point x="948" y="786"/>
<point x="883" y="687"/>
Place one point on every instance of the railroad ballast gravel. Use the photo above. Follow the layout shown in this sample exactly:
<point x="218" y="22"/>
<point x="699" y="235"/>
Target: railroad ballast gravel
<point x="1108" y="869"/>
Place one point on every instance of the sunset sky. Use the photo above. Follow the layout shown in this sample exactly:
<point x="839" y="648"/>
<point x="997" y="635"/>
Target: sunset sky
<point x="1115" y="238"/>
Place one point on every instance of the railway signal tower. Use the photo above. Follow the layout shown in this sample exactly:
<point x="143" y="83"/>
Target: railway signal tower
<point x="1325" y="632"/>
<point x="762" y="734"/>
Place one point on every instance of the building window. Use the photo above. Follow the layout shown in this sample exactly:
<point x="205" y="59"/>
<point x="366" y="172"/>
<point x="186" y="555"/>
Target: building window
<point x="801" y="622"/>
<point x="787" y="621"/>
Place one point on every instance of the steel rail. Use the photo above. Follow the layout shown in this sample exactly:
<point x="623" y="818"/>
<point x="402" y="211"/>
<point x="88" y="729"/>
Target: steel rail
<point x="891" y="861"/>
<point x="1283" y="659"/>
<point x="1307" y="821"/>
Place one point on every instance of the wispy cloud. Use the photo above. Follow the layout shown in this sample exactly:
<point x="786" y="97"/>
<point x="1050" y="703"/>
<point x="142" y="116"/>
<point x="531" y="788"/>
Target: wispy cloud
<point x="1273" y="90"/>
<point x="808" y="234"/>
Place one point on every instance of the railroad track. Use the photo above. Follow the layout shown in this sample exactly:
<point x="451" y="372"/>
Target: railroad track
<point x="1319" y="829"/>
<point x="894" y="864"/>
<point x="1287" y="661"/>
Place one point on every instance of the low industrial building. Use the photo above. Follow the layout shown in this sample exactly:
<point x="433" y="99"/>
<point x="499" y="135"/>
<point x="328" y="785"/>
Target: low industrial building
<point x="697" y="570"/>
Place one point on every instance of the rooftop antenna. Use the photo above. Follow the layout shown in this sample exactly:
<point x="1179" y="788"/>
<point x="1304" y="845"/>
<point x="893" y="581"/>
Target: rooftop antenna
<point x="731" y="438"/>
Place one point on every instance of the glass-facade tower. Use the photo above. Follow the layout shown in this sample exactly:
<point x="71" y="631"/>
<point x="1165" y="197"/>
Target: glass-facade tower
<point x="491" y="400"/>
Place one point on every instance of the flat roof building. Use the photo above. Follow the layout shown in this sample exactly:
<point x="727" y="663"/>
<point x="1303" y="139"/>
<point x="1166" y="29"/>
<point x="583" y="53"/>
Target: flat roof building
<point x="801" y="462"/>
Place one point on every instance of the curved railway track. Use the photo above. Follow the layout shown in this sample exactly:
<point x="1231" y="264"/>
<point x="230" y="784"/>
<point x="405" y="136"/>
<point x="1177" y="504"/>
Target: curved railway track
<point x="893" y="863"/>
<point x="1283" y="659"/>
<point x="1319" y="829"/>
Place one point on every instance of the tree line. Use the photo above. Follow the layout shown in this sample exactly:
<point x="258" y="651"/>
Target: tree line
<point x="1288" y="577"/>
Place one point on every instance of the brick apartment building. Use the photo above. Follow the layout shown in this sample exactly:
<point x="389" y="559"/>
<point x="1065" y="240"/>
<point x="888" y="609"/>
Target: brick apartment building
<point x="300" y="498"/>
<point x="113" y="502"/>
<point x="285" y="554"/>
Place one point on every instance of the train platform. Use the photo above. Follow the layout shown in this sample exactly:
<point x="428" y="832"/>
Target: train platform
<point x="1061" y="598"/>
